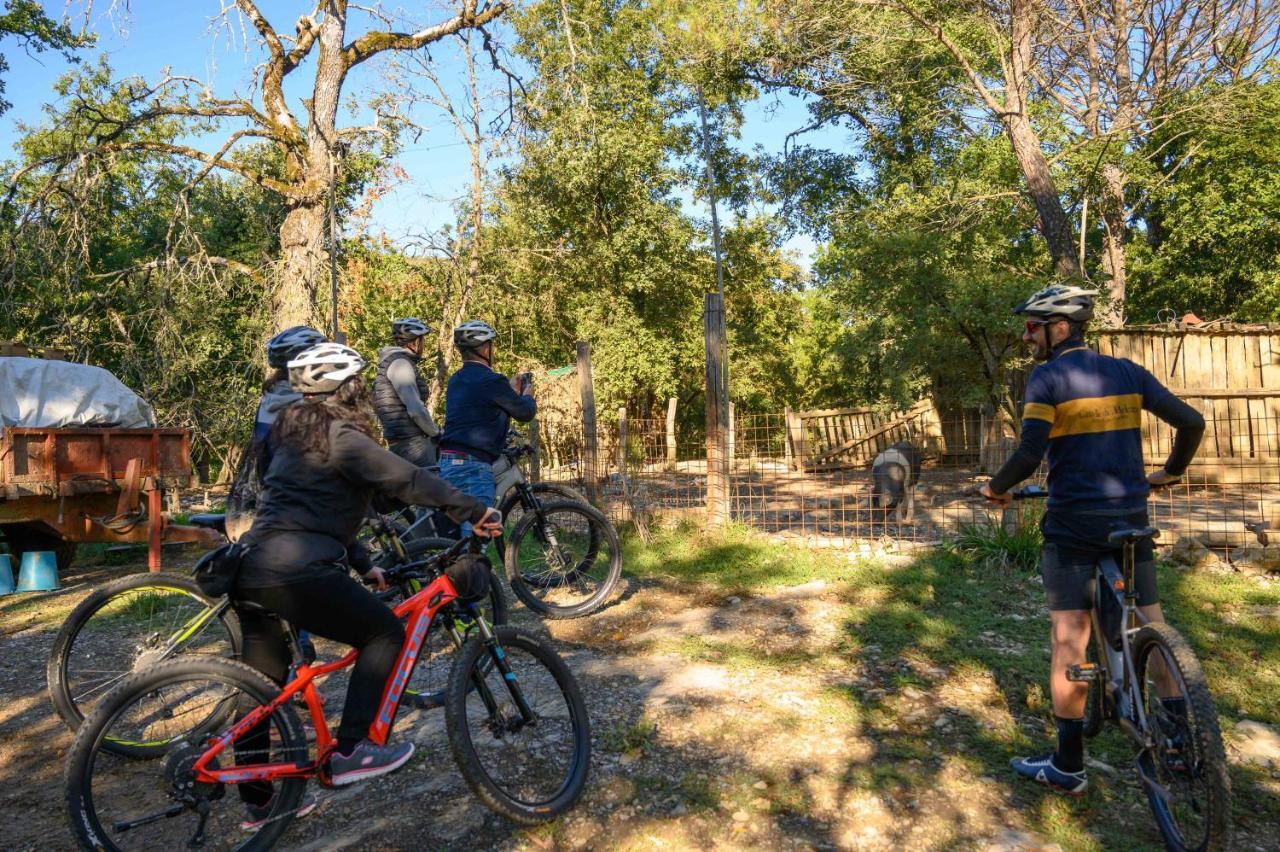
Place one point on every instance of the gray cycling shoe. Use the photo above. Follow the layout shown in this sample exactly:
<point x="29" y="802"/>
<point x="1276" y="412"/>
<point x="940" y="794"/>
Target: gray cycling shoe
<point x="367" y="760"/>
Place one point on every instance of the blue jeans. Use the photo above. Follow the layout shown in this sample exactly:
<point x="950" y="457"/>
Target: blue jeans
<point x="470" y="476"/>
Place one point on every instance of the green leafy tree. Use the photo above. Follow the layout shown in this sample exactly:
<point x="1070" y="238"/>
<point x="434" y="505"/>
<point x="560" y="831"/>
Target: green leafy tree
<point x="27" y="22"/>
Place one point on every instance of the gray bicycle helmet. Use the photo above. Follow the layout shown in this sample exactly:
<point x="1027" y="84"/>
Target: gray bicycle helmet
<point x="1060" y="300"/>
<point x="323" y="368"/>
<point x="286" y="345"/>
<point x="473" y="334"/>
<point x="407" y="329"/>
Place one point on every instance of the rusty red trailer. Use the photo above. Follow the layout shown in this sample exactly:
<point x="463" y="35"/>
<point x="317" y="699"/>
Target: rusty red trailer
<point x="61" y="487"/>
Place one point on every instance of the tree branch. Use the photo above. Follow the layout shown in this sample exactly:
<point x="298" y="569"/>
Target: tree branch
<point x="373" y="43"/>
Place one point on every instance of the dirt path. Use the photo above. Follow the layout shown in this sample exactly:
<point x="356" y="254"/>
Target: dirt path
<point x="718" y="721"/>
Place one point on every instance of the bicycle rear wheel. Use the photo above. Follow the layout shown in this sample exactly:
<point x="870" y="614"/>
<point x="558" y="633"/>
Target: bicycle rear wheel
<point x="125" y="626"/>
<point x="529" y="767"/>
<point x="115" y="802"/>
<point x="1185" y="775"/>
<point x="564" y="560"/>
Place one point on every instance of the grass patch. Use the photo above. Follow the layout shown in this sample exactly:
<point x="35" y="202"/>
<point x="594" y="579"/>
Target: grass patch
<point x="993" y="545"/>
<point x="698" y="792"/>
<point x="735" y="558"/>
<point x="623" y="738"/>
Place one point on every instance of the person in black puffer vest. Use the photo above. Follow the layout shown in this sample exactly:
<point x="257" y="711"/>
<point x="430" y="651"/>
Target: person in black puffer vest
<point x="400" y="393"/>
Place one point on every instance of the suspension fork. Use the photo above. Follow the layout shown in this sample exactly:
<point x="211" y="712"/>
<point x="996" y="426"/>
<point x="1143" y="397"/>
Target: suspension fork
<point x="499" y="657"/>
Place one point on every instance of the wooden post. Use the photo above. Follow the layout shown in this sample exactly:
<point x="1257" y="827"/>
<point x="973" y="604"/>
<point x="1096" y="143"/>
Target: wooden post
<point x="590" y="437"/>
<point x="155" y="522"/>
<point x="733" y="433"/>
<point x="622" y="457"/>
<point x="799" y="441"/>
<point x="717" y="410"/>
<point x="535" y="441"/>
<point x="671" y="433"/>
<point x="786" y="436"/>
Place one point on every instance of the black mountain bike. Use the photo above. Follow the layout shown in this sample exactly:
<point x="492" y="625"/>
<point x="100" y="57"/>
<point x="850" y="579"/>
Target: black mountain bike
<point x="1144" y="677"/>
<point x="561" y="555"/>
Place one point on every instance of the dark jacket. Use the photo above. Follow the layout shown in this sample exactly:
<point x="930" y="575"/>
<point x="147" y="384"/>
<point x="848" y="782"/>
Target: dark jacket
<point x="1085" y="410"/>
<point x="310" y="508"/>
<point x="400" y="400"/>
<point x="478" y="407"/>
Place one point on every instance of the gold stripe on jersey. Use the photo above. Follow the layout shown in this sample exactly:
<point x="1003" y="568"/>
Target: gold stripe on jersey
<point x="1097" y="414"/>
<point x="1038" y="411"/>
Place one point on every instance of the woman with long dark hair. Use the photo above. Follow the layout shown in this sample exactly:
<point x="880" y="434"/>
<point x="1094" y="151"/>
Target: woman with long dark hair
<point x="325" y="469"/>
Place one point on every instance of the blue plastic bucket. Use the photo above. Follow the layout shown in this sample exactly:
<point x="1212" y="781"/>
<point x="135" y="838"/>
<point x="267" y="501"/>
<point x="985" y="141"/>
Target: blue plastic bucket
<point x="39" y="572"/>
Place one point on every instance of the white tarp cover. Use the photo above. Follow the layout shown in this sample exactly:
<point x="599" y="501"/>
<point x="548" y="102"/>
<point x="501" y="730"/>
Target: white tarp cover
<point x="55" y="394"/>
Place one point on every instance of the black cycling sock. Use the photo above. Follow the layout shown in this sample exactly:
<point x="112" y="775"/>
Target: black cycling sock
<point x="346" y="745"/>
<point x="1070" y="754"/>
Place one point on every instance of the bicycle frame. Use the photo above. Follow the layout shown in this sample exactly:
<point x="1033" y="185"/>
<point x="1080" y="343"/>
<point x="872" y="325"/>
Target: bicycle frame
<point x="420" y="610"/>
<point x="1118" y="665"/>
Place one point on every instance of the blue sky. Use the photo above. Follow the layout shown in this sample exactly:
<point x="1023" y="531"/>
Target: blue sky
<point x="182" y="38"/>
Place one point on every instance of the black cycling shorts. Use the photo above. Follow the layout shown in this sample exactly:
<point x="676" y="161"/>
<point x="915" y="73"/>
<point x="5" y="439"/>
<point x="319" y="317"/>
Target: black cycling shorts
<point x="1068" y="576"/>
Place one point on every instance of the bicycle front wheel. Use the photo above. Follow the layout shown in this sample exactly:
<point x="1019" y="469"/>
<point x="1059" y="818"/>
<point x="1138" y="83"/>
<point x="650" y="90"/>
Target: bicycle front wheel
<point x="1185" y="774"/>
<point x="518" y="727"/>
<point x="115" y="802"/>
<point x="127" y="625"/>
<point x="563" y="560"/>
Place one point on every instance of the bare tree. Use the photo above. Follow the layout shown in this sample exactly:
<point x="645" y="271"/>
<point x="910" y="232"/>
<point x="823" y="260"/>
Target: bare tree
<point x="309" y="147"/>
<point x="1124" y="70"/>
<point x="991" y="51"/>
<point x="1114" y="67"/>
<point x="465" y="109"/>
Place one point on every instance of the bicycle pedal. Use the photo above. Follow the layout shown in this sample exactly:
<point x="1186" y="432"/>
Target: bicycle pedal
<point x="1084" y="673"/>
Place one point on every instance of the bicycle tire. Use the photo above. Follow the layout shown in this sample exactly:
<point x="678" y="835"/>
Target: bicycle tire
<point x="88" y="829"/>
<point x="512" y="510"/>
<point x="462" y="686"/>
<point x="601" y="532"/>
<point x="57" y="675"/>
<point x="1208" y="757"/>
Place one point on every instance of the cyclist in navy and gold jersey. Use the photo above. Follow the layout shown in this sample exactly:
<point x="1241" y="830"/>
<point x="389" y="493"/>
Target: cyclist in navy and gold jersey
<point x="1085" y="409"/>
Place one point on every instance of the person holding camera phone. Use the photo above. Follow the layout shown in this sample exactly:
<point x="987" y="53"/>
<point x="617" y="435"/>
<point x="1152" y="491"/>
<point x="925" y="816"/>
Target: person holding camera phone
<point x="479" y="405"/>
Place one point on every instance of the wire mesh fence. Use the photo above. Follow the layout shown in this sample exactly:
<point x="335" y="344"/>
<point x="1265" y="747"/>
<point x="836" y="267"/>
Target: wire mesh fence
<point x="802" y="478"/>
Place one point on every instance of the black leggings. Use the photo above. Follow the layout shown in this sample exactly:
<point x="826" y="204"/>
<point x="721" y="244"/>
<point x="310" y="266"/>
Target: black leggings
<point x="334" y="605"/>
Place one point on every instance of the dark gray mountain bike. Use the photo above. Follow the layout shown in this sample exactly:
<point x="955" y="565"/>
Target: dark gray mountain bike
<point x="1144" y="677"/>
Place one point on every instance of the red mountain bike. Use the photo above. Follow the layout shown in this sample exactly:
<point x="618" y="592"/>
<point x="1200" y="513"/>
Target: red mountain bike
<point x="514" y="716"/>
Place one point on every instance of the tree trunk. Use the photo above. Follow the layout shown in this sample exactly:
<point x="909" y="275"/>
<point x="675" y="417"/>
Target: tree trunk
<point x="1053" y="221"/>
<point x="1115" y="230"/>
<point x="302" y="249"/>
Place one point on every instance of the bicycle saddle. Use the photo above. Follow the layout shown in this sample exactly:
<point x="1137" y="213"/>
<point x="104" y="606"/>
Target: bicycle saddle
<point x="209" y="520"/>
<point x="1132" y="536"/>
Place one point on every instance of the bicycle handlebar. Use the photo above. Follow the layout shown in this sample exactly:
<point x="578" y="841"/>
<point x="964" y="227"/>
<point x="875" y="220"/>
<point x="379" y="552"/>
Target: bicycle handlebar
<point x="409" y="570"/>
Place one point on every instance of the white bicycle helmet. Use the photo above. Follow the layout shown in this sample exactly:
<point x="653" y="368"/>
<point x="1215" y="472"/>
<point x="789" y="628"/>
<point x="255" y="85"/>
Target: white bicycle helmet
<point x="407" y="329"/>
<point x="323" y="368"/>
<point x="473" y="334"/>
<point x="286" y="345"/>
<point x="1060" y="300"/>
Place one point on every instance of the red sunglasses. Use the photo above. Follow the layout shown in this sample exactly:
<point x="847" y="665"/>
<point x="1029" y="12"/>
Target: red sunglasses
<point x="1032" y="325"/>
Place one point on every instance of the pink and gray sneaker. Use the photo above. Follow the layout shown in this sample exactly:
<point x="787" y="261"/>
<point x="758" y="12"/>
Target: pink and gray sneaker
<point x="367" y="760"/>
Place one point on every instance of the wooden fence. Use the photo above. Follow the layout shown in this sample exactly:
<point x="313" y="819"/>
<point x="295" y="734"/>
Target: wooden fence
<point x="1230" y="374"/>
